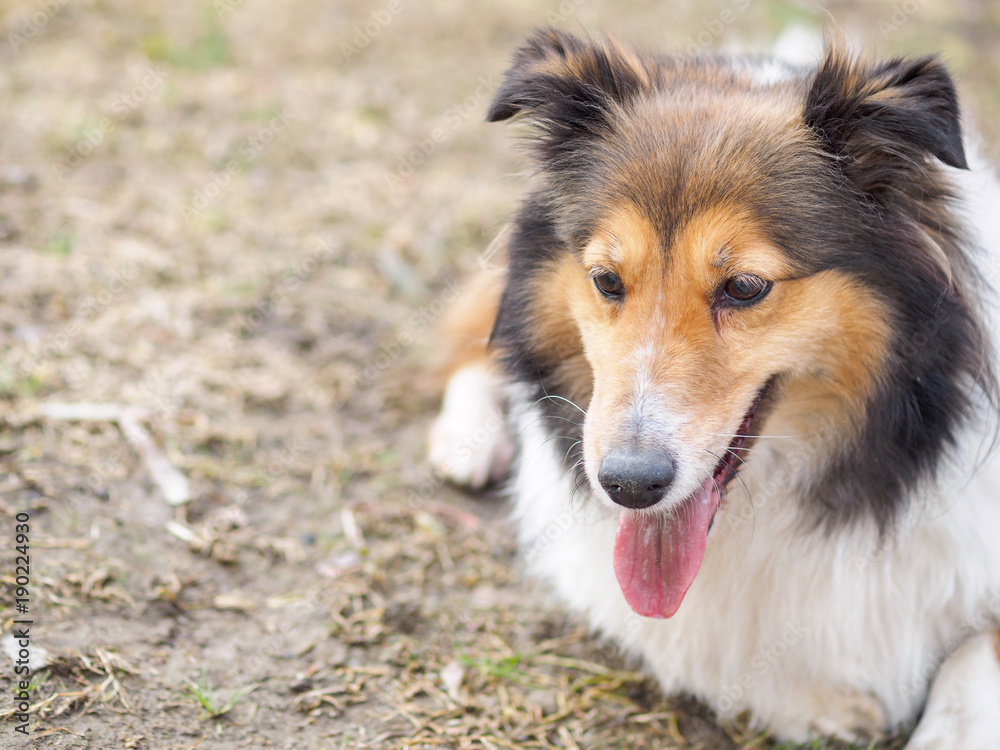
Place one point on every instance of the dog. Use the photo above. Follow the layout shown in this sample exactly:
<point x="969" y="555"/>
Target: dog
<point x="738" y="364"/>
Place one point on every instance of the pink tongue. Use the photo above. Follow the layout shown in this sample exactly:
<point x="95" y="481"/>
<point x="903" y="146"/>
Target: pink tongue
<point x="657" y="558"/>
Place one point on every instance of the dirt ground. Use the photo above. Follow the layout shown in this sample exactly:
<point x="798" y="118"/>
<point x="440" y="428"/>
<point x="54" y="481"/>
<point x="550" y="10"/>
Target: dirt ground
<point x="226" y="230"/>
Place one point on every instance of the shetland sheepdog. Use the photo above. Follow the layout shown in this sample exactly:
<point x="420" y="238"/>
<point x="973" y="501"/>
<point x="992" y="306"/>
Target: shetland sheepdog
<point x="738" y="368"/>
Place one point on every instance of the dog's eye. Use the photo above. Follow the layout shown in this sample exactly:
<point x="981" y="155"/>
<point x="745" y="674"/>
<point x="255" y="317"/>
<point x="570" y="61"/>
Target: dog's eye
<point x="746" y="289"/>
<point x="610" y="285"/>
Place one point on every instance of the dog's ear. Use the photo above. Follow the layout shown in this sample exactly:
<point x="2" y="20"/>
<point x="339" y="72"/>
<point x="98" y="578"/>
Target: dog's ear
<point x="568" y="86"/>
<point x="884" y="117"/>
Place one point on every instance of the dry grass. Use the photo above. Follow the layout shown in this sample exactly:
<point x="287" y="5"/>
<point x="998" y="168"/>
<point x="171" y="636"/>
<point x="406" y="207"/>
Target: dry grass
<point x="255" y="331"/>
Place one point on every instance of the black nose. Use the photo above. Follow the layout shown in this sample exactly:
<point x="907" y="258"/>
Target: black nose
<point x="636" y="479"/>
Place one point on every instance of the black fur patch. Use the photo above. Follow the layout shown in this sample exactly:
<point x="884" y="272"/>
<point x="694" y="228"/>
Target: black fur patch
<point x="534" y="243"/>
<point x="901" y="109"/>
<point x="884" y="123"/>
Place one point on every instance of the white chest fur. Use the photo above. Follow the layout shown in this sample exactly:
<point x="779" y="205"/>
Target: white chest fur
<point x="785" y="620"/>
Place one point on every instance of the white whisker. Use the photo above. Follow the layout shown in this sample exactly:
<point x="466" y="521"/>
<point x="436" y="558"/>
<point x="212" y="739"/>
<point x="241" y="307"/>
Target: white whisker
<point x="562" y="398"/>
<point x="736" y="474"/>
<point x="547" y="416"/>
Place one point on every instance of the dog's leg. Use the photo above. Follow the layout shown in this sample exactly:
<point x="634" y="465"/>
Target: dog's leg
<point x="963" y="710"/>
<point x="470" y="443"/>
<point x="829" y="711"/>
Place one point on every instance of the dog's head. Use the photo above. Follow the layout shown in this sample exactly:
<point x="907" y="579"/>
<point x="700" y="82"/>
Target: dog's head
<point x="710" y="242"/>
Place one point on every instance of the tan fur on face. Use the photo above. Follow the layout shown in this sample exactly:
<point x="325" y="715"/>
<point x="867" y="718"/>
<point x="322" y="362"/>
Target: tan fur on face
<point x="825" y="333"/>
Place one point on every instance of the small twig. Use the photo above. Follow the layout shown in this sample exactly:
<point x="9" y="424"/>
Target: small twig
<point x="61" y="543"/>
<point x="171" y="482"/>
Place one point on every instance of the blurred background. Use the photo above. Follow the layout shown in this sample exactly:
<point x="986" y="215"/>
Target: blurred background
<point x="226" y="230"/>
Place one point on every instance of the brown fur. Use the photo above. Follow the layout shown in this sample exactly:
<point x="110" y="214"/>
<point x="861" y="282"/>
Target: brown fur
<point x="680" y="174"/>
<point x="826" y="329"/>
<point x="464" y="329"/>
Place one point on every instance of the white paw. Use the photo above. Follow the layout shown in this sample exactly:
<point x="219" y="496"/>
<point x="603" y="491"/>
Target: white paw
<point x="963" y="710"/>
<point x="845" y="715"/>
<point x="850" y="717"/>
<point x="470" y="443"/>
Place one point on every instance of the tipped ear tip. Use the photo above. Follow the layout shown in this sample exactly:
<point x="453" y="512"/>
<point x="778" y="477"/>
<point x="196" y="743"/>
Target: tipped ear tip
<point x="499" y="112"/>
<point x="951" y="148"/>
<point x="918" y="103"/>
<point x="956" y="158"/>
<point x="545" y="42"/>
<point x="549" y="38"/>
<point x="501" y="108"/>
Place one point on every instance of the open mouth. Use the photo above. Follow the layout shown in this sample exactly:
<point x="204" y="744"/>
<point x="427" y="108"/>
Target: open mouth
<point x="657" y="556"/>
<point x="730" y="461"/>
